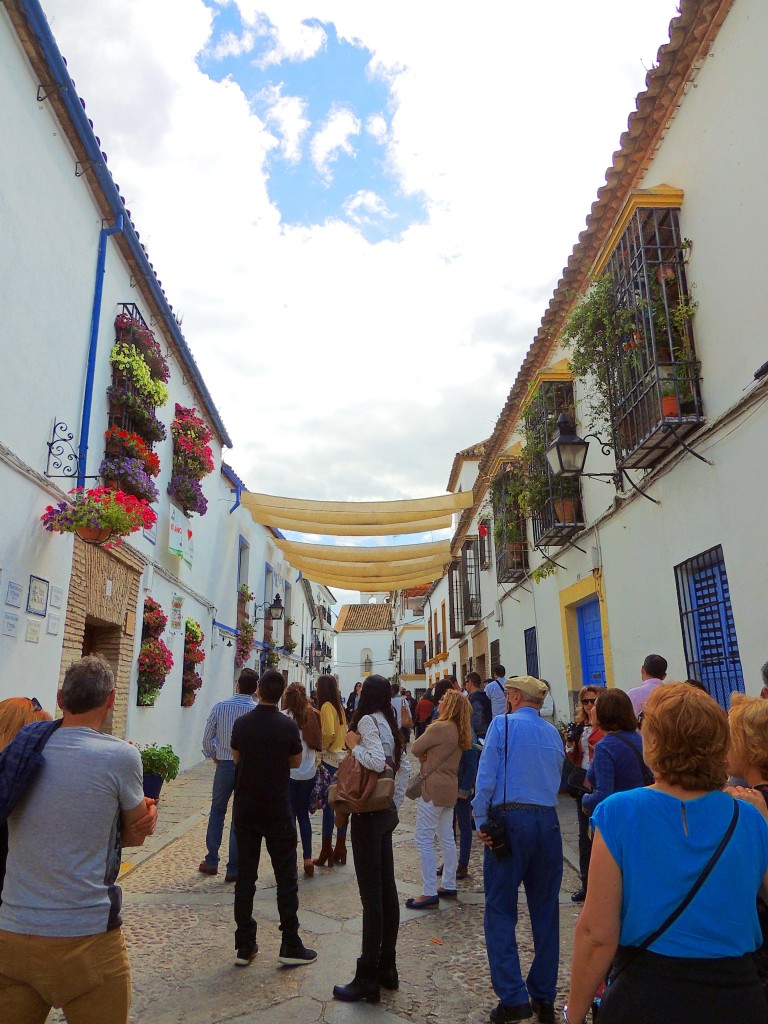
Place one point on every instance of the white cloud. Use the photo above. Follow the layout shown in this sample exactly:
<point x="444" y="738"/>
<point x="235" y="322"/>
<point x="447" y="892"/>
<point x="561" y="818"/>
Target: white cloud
<point x="286" y="116"/>
<point x="376" y="127"/>
<point x="345" y="370"/>
<point x="333" y="139"/>
<point x="231" y="45"/>
<point x="366" y="207"/>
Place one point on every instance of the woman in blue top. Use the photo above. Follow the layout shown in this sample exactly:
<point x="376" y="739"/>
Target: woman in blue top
<point x="618" y="762"/>
<point x="651" y="845"/>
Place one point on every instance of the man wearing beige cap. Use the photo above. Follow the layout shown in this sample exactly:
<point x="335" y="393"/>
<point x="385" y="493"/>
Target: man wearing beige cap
<point x="515" y="809"/>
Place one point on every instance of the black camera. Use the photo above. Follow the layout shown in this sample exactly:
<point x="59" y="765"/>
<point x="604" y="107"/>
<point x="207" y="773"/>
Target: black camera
<point x="497" y="832"/>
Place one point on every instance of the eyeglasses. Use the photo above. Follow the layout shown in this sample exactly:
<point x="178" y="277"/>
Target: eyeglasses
<point x="589" y="700"/>
<point x="35" y="703"/>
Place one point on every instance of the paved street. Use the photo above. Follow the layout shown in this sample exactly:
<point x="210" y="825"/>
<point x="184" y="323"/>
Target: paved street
<point x="179" y="929"/>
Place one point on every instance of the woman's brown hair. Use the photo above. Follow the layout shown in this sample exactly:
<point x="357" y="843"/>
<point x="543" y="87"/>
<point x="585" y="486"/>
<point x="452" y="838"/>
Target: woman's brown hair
<point x="748" y="727"/>
<point x="685" y="737"/>
<point x="615" y="712"/>
<point x="456" y="708"/>
<point x="328" y="690"/>
<point x="15" y="713"/>
<point x="295" y="702"/>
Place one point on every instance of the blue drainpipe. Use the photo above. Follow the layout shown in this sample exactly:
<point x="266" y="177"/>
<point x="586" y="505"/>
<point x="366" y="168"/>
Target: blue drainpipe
<point x="85" y="422"/>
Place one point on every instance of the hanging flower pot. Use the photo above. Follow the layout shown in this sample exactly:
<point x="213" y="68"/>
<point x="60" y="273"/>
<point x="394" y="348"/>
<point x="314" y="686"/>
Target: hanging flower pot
<point x="93" y="535"/>
<point x="98" y="514"/>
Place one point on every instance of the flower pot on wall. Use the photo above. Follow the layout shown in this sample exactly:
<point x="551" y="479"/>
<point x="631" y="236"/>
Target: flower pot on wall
<point x="93" y="535"/>
<point x="565" y="509"/>
<point x="670" y="407"/>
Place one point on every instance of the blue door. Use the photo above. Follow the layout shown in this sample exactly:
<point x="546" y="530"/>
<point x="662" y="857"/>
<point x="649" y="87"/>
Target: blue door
<point x="591" y="643"/>
<point x="716" y="662"/>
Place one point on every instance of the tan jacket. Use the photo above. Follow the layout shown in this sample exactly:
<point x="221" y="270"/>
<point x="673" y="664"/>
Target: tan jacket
<point x="440" y="743"/>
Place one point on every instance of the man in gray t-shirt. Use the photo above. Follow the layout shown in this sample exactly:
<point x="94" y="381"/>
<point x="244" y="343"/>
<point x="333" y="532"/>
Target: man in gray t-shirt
<point x="60" y="938"/>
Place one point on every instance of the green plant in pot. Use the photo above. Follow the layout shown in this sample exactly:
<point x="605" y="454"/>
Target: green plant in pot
<point x="159" y="764"/>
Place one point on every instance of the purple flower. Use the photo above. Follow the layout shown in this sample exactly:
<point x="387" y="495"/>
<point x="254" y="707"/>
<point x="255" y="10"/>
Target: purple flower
<point x="131" y="475"/>
<point x="188" y="492"/>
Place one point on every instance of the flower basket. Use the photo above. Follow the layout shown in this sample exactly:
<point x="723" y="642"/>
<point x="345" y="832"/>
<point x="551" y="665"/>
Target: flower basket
<point x="93" y="535"/>
<point x="244" y="643"/>
<point x="131" y="475"/>
<point x="128" y="360"/>
<point x="129" y="443"/>
<point x="193" y="655"/>
<point x="99" y="509"/>
<point x="192" y="459"/>
<point x="154" y="620"/>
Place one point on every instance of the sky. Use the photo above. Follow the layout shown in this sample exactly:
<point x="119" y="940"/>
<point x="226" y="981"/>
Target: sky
<point x="359" y="209"/>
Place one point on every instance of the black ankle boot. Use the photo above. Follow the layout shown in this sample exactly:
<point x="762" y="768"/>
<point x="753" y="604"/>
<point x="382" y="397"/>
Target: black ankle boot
<point x="388" y="977"/>
<point x="364" y="985"/>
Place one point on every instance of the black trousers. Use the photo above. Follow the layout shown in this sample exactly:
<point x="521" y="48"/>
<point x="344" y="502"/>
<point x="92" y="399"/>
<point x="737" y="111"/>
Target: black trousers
<point x="585" y="843"/>
<point x="375" y="870"/>
<point x="656" y="989"/>
<point x="281" y="847"/>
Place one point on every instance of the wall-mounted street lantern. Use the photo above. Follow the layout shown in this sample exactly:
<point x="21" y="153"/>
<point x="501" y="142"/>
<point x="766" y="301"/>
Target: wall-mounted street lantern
<point x="274" y="610"/>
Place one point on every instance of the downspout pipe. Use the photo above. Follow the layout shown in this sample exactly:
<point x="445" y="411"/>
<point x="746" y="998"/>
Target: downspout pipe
<point x="90" y="373"/>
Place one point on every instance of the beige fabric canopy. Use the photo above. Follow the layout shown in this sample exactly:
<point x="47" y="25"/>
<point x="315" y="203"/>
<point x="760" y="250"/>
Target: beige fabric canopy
<point x="356" y="518"/>
<point x="362" y="568"/>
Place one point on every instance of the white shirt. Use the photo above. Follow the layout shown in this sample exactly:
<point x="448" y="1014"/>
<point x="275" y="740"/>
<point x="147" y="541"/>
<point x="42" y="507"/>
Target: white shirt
<point x="375" y="746"/>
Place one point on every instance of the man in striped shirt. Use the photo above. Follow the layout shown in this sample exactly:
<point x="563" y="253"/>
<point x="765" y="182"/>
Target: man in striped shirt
<point x="216" y="745"/>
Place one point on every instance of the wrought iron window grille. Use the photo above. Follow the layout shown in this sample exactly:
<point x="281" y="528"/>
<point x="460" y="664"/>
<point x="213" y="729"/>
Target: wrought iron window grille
<point x="653" y="371"/>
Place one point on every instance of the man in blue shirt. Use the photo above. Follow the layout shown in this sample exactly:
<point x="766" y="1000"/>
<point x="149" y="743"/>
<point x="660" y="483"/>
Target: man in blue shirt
<point x="216" y="745"/>
<point x="495" y="690"/>
<point x="516" y="798"/>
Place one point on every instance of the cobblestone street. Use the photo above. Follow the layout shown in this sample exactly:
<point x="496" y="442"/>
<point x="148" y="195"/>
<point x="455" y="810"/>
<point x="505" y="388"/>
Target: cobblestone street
<point x="179" y="929"/>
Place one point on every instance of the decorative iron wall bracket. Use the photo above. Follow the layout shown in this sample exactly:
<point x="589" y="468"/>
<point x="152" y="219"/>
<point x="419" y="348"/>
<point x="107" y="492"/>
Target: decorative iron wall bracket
<point x="62" y="453"/>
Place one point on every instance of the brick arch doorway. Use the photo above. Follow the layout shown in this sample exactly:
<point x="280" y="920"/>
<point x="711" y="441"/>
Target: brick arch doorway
<point x="103" y="638"/>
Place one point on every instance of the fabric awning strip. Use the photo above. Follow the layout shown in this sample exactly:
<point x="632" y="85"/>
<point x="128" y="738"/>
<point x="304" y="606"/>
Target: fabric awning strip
<point x="405" y="509"/>
<point x="371" y="585"/>
<point x="349" y="553"/>
<point x="377" y="570"/>
<point x="349" y="530"/>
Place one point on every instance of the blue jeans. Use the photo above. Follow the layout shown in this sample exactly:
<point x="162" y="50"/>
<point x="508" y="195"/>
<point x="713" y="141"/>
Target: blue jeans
<point x="534" y="858"/>
<point x="223" y="787"/>
<point x="301" y="791"/>
<point x="326" y="830"/>
<point x="463" y="812"/>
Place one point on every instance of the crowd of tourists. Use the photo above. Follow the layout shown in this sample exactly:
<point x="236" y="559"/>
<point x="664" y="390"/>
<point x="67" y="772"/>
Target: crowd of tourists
<point x="671" y="800"/>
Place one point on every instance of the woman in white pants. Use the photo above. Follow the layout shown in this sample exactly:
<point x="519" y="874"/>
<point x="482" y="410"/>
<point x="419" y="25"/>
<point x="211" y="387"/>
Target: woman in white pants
<point x="439" y="750"/>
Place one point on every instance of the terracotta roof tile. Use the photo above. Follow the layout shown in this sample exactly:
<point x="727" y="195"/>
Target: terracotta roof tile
<point x="364" y="617"/>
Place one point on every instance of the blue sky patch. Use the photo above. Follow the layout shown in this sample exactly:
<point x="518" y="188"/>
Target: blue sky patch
<point x="331" y="118"/>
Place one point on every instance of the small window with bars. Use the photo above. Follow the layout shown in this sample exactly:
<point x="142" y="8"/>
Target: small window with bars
<point x="470" y="574"/>
<point x="709" y="631"/>
<point x="495" y="653"/>
<point x="531" y="652"/>
<point x="455" y="600"/>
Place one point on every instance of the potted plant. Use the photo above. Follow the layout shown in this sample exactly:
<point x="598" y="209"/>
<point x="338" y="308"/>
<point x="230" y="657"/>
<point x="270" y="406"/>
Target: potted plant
<point x="159" y="764"/>
<point x="130" y="474"/>
<point x="99" y="514"/>
<point x="133" y="445"/>
<point x="244" y="643"/>
<point x="194" y="655"/>
<point x="155" y="662"/>
<point x="129" y="363"/>
<point x="290" y="646"/>
<point x="670" y="406"/>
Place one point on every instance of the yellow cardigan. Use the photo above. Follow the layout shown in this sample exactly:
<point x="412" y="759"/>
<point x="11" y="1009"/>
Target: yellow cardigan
<point x="334" y="733"/>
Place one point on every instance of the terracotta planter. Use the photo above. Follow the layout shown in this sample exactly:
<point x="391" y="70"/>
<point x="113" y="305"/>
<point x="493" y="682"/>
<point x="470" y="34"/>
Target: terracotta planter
<point x="93" y="535"/>
<point x="565" y="509"/>
<point x="670" y="407"/>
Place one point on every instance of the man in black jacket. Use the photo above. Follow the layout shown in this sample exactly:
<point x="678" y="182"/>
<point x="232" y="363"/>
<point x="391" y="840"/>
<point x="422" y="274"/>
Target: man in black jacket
<point x="265" y="746"/>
